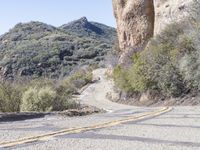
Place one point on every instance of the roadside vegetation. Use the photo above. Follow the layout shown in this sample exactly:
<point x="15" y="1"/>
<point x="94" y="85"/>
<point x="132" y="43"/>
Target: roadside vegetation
<point x="43" y="95"/>
<point x="170" y="64"/>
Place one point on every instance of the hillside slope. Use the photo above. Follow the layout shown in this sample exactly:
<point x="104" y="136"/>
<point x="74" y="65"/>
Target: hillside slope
<point x="36" y="49"/>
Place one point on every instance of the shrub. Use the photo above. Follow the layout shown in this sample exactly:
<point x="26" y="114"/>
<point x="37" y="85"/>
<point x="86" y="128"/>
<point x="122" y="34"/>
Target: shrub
<point x="77" y="80"/>
<point x="10" y="97"/>
<point x="70" y="85"/>
<point x="29" y="100"/>
<point x="43" y="94"/>
<point x="161" y="69"/>
<point x="63" y="99"/>
<point x="46" y="95"/>
<point x="169" y="64"/>
<point x="38" y="99"/>
<point x="121" y="78"/>
<point x="137" y="75"/>
<point x="40" y="82"/>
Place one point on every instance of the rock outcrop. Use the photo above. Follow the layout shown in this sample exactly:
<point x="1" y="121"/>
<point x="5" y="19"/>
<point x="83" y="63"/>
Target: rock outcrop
<point x="171" y="11"/>
<point x="139" y="20"/>
<point x="135" y="22"/>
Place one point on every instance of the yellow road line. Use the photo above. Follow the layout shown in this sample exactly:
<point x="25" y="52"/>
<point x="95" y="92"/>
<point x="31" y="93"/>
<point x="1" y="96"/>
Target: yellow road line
<point x="83" y="129"/>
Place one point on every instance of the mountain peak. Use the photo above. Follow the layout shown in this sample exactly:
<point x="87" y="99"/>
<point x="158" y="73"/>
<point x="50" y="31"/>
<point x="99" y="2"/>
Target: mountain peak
<point x="80" y="23"/>
<point x="83" y="19"/>
<point x="83" y="27"/>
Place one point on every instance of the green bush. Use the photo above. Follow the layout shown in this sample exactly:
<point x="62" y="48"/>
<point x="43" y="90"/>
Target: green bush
<point x="77" y="80"/>
<point x="68" y="86"/>
<point x="42" y="94"/>
<point x="161" y="69"/>
<point x="10" y="97"/>
<point x="137" y="75"/>
<point x="40" y="83"/>
<point x="63" y="99"/>
<point x="48" y="98"/>
<point x="48" y="95"/>
<point x="38" y="99"/>
<point x="121" y="78"/>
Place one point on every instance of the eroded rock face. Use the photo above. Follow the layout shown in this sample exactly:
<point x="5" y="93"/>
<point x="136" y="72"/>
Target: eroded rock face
<point x="171" y="11"/>
<point x="135" y="22"/>
<point x="139" y="20"/>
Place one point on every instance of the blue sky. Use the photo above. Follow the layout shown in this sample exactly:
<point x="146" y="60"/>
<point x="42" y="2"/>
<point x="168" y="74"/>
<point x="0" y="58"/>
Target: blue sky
<point x="54" y="12"/>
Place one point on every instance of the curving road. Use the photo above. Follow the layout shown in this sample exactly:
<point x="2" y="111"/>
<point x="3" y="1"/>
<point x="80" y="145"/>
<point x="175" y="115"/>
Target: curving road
<point x="121" y="128"/>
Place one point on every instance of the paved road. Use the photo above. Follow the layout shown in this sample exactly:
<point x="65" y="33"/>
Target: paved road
<point x="122" y="128"/>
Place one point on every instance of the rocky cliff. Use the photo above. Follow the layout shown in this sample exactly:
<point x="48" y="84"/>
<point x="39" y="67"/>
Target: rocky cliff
<point x="135" y="21"/>
<point x="139" y="20"/>
<point x="171" y="11"/>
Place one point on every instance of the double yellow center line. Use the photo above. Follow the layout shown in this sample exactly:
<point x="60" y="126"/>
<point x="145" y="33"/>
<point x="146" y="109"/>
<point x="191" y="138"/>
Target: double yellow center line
<point x="31" y="139"/>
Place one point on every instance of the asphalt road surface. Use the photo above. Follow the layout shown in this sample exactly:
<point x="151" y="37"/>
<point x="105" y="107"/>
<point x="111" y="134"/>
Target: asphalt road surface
<point x="121" y="128"/>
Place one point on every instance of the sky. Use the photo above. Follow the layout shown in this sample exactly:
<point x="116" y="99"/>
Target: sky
<point x="54" y="12"/>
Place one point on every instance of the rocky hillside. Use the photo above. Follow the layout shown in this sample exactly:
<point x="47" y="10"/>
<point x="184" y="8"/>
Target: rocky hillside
<point x="161" y="39"/>
<point x="138" y="21"/>
<point x="36" y="49"/>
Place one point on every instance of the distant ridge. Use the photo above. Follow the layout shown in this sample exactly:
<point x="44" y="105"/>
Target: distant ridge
<point x="36" y="49"/>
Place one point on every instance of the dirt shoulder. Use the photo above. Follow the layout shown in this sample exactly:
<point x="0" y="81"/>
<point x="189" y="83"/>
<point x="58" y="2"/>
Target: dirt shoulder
<point x="145" y="100"/>
<point x="82" y="111"/>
